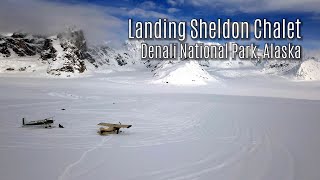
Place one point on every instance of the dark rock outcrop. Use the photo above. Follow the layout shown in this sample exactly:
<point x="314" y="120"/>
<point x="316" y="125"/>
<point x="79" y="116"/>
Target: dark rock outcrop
<point x="48" y="51"/>
<point x="20" y="44"/>
<point x="74" y="53"/>
<point x="67" y="52"/>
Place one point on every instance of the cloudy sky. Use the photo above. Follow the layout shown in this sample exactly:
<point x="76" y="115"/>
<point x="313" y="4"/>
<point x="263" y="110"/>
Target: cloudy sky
<point x="106" y="20"/>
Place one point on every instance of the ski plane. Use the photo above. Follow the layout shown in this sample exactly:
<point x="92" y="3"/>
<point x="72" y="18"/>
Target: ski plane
<point x="47" y="122"/>
<point x="111" y="128"/>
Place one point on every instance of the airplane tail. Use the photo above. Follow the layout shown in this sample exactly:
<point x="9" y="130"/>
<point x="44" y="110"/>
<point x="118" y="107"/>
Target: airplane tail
<point x="23" y="123"/>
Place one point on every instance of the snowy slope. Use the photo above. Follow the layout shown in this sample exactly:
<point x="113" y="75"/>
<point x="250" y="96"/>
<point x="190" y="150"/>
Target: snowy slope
<point x="23" y="65"/>
<point x="181" y="73"/>
<point x="309" y="70"/>
<point x="128" y="55"/>
<point x="281" y="67"/>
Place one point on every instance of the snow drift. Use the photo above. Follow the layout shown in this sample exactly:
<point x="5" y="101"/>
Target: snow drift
<point x="181" y="73"/>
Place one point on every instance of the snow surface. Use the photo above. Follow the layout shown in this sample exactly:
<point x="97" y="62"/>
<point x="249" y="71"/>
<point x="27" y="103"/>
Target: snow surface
<point x="250" y="128"/>
<point x="182" y="73"/>
<point x="309" y="70"/>
<point x="22" y="65"/>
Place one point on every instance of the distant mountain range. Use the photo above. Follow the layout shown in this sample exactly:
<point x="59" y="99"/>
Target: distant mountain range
<point x="67" y="54"/>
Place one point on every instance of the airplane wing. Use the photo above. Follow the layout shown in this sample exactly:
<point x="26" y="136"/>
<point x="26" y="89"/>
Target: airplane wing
<point x="115" y="125"/>
<point x="109" y="129"/>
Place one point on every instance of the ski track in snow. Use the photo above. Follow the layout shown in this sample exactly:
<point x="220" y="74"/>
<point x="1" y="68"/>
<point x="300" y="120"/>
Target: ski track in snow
<point x="67" y="170"/>
<point x="200" y="167"/>
<point x="174" y="136"/>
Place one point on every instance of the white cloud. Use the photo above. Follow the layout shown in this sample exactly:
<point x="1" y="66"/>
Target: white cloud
<point x="261" y="5"/>
<point x="175" y="2"/>
<point x="315" y="17"/>
<point x="173" y="10"/>
<point x="100" y="23"/>
<point x="312" y="52"/>
<point x="43" y="17"/>
<point x="148" y="5"/>
<point x="146" y="14"/>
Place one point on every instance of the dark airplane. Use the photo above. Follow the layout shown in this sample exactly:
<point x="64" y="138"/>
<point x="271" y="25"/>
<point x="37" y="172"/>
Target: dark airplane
<point x="43" y="122"/>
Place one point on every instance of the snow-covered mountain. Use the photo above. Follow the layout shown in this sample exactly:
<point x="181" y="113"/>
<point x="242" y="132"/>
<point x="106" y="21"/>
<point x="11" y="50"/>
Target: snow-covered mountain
<point x="20" y="44"/>
<point x="67" y="54"/>
<point x="309" y="70"/>
<point x="107" y="56"/>
<point x="181" y="73"/>
<point x="280" y="67"/>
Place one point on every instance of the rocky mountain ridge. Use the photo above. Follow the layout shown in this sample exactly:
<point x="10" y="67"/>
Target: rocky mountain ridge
<point x="67" y="54"/>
